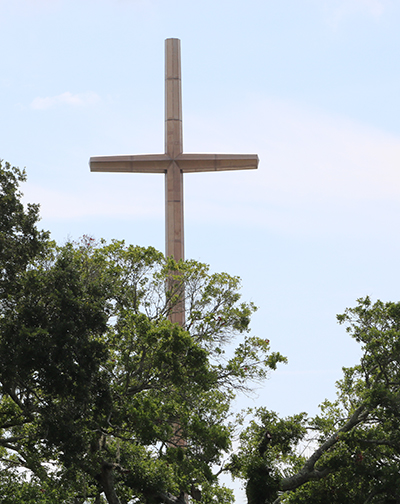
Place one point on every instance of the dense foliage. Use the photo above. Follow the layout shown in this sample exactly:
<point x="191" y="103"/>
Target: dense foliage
<point x="104" y="400"/>
<point x="101" y="396"/>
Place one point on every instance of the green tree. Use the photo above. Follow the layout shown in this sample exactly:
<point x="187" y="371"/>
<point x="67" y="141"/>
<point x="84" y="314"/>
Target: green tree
<point x="100" y="394"/>
<point x="20" y="240"/>
<point x="353" y="445"/>
<point x="51" y="320"/>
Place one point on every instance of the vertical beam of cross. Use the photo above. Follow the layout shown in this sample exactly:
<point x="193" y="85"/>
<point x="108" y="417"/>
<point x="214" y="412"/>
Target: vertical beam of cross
<point x="174" y="239"/>
<point x="174" y="163"/>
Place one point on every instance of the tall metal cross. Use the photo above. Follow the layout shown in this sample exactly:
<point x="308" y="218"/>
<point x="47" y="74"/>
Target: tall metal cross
<point x="174" y="163"/>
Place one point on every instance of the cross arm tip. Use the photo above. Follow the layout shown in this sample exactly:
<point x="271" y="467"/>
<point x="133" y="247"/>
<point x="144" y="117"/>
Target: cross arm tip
<point x="217" y="162"/>
<point x="144" y="163"/>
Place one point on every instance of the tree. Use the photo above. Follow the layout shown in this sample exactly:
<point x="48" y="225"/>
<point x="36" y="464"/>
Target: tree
<point x="20" y="240"/>
<point x="354" y="442"/>
<point x="97" y="387"/>
<point x="49" y="356"/>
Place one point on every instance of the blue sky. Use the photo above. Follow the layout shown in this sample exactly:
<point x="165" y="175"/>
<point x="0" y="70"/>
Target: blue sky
<point x="311" y="86"/>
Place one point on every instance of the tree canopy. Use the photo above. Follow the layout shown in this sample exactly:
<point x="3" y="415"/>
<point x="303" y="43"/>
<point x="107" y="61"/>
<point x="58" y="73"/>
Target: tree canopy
<point x="353" y="445"/>
<point x="104" y="400"/>
<point x="101" y="395"/>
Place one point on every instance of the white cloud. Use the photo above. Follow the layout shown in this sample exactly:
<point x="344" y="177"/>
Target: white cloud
<point x="314" y="169"/>
<point x="324" y="157"/>
<point x="67" y="98"/>
<point x="29" y="8"/>
<point x="98" y="198"/>
<point x="373" y="7"/>
<point x="338" y="10"/>
<point x="305" y="153"/>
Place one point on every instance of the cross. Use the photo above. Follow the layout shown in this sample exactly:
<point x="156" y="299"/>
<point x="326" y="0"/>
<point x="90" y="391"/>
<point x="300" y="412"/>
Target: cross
<point x="174" y="163"/>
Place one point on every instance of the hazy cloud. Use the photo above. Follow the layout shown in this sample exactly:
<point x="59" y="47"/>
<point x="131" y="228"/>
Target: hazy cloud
<point x="314" y="169"/>
<point x="67" y="98"/>
<point x="308" y="160"/>
<point x="373" y="7"/>
<point x="112" y="198"/>
<point x="337" y="10"/>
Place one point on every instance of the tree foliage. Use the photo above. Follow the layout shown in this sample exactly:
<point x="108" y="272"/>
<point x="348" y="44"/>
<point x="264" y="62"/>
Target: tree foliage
<point x="104" y="400"/>
<point x="101" y="396"/>
<point x="353" y="444"/>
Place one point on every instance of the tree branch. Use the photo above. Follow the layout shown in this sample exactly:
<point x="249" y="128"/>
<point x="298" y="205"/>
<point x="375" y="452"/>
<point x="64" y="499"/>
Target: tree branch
<point x="171" y="499"/>
<point x="370" y="497"/>
<point x="308" y="471"/>
<point x="8" y="442"/>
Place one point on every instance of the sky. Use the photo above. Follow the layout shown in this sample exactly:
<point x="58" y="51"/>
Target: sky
<point x="311" y="86"/>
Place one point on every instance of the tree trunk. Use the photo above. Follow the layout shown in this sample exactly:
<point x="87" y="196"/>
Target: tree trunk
<point x="107" y="481"/>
